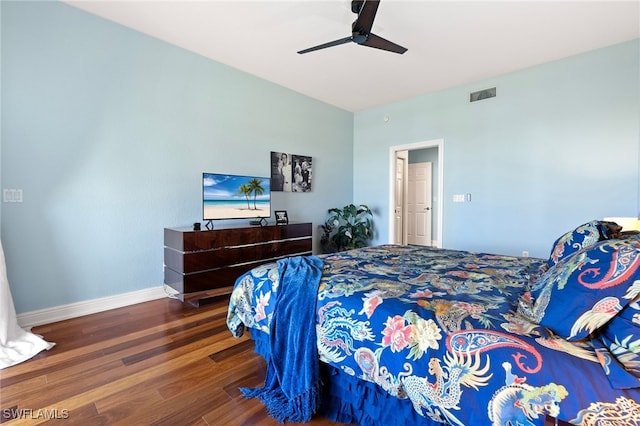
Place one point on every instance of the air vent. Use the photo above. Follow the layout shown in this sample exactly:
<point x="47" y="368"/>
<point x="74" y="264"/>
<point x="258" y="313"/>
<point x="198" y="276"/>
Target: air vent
<point x="482" y="94"/>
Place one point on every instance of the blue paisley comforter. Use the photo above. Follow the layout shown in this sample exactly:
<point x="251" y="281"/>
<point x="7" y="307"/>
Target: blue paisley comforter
<point x="440" y="329"/>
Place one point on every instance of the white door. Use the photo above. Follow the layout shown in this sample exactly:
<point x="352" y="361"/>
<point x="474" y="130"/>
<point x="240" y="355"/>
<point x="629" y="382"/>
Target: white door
<point x="398" y="210"/>
<point x="419" y="209"/>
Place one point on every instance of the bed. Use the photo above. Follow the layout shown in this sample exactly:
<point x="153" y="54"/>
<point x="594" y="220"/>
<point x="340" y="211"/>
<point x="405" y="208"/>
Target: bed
<point x="417" y="335"/>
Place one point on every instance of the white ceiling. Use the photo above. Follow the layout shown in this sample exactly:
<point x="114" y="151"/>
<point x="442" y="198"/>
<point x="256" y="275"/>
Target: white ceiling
<point x="449" y="42"/>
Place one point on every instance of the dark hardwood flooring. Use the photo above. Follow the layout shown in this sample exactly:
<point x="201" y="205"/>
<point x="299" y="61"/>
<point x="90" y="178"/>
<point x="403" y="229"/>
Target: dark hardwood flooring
<point x="162" y="362"/>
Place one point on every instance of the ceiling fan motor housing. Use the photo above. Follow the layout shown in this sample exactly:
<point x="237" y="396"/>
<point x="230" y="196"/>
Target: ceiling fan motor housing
<point x="358" y="36"/>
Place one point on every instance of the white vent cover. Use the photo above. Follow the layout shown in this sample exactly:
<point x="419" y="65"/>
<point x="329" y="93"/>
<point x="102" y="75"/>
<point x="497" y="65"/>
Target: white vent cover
<point x="482" y="94"/>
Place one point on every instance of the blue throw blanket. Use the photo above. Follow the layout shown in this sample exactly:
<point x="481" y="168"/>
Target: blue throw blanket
<point x="291" y="391"/>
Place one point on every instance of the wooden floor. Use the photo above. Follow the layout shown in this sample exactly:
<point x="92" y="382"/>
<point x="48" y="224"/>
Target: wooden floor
<point x="159" y="362"/>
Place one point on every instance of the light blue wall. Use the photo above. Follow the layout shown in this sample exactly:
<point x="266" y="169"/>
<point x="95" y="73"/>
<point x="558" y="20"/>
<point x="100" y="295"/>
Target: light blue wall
<point x="107" y="131"/>
<point x="557" y="147"/>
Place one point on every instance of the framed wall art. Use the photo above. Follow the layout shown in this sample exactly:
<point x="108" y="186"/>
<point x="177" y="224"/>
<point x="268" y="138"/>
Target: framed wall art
<point x="291" y="172"/>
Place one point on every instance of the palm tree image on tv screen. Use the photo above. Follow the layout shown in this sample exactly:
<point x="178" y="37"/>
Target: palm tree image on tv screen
<point x="235" y="197"/>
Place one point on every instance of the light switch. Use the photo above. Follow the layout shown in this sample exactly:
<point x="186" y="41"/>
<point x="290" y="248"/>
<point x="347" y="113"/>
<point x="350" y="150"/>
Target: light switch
<point x="12" y="195"/>
<point x="458" y="198"/>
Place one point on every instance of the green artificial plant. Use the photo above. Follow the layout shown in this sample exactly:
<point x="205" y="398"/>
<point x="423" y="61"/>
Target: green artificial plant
<point x="347" y="228"/>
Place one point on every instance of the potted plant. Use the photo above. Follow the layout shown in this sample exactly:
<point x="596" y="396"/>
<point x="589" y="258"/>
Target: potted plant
<point x="347" y="228"/>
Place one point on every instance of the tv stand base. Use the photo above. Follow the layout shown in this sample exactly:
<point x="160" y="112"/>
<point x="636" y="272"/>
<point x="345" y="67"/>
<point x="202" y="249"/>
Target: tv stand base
<point x="261" y="222"/>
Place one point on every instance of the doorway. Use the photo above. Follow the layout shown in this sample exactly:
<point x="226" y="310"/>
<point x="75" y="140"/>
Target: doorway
<point x="404" y="227"/>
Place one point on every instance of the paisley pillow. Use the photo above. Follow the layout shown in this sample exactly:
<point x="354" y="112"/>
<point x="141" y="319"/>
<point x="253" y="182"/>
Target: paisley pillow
<point x="618" y="347"/>
<point x="584" y="291"/>
<point x="583" y="236"/>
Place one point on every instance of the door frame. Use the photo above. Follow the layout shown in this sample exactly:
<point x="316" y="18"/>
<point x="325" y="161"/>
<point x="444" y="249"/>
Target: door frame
<point x="435" y="143"/>
<point x="403" y="219"/>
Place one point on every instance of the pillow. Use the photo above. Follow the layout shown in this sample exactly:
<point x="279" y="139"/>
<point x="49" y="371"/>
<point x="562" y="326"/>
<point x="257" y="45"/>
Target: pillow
<point x="583" y="291"/>
<point x="617" y="345"/>
<point x="583" y="236"/>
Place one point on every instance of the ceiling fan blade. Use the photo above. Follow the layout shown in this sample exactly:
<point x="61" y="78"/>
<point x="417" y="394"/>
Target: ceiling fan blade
<point x="367" y="14"/>
<point x="381" y="43"/>
<point x="325" y="45"/>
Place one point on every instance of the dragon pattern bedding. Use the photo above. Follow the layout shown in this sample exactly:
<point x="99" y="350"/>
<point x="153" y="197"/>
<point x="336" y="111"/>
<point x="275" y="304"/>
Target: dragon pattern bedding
<point x="467" y="338"/>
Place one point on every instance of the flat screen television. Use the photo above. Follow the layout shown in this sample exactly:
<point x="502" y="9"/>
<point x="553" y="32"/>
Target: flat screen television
<point x="235" y="197"/>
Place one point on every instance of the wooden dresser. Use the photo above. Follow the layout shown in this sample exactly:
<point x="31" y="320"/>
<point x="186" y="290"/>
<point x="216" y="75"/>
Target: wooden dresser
<point x="211" y="260"/>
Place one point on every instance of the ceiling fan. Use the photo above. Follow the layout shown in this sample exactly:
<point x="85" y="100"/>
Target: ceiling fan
<point x="361" y="30"/>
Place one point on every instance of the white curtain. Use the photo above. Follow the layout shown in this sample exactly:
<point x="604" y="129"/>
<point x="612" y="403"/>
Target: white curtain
<point x="16" y="344"/>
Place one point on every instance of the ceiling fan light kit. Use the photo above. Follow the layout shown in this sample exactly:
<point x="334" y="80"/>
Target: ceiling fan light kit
<point x="361" y="30"/>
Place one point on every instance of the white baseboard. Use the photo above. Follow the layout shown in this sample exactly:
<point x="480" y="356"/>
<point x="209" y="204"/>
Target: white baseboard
<point x="78" y="309"/>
